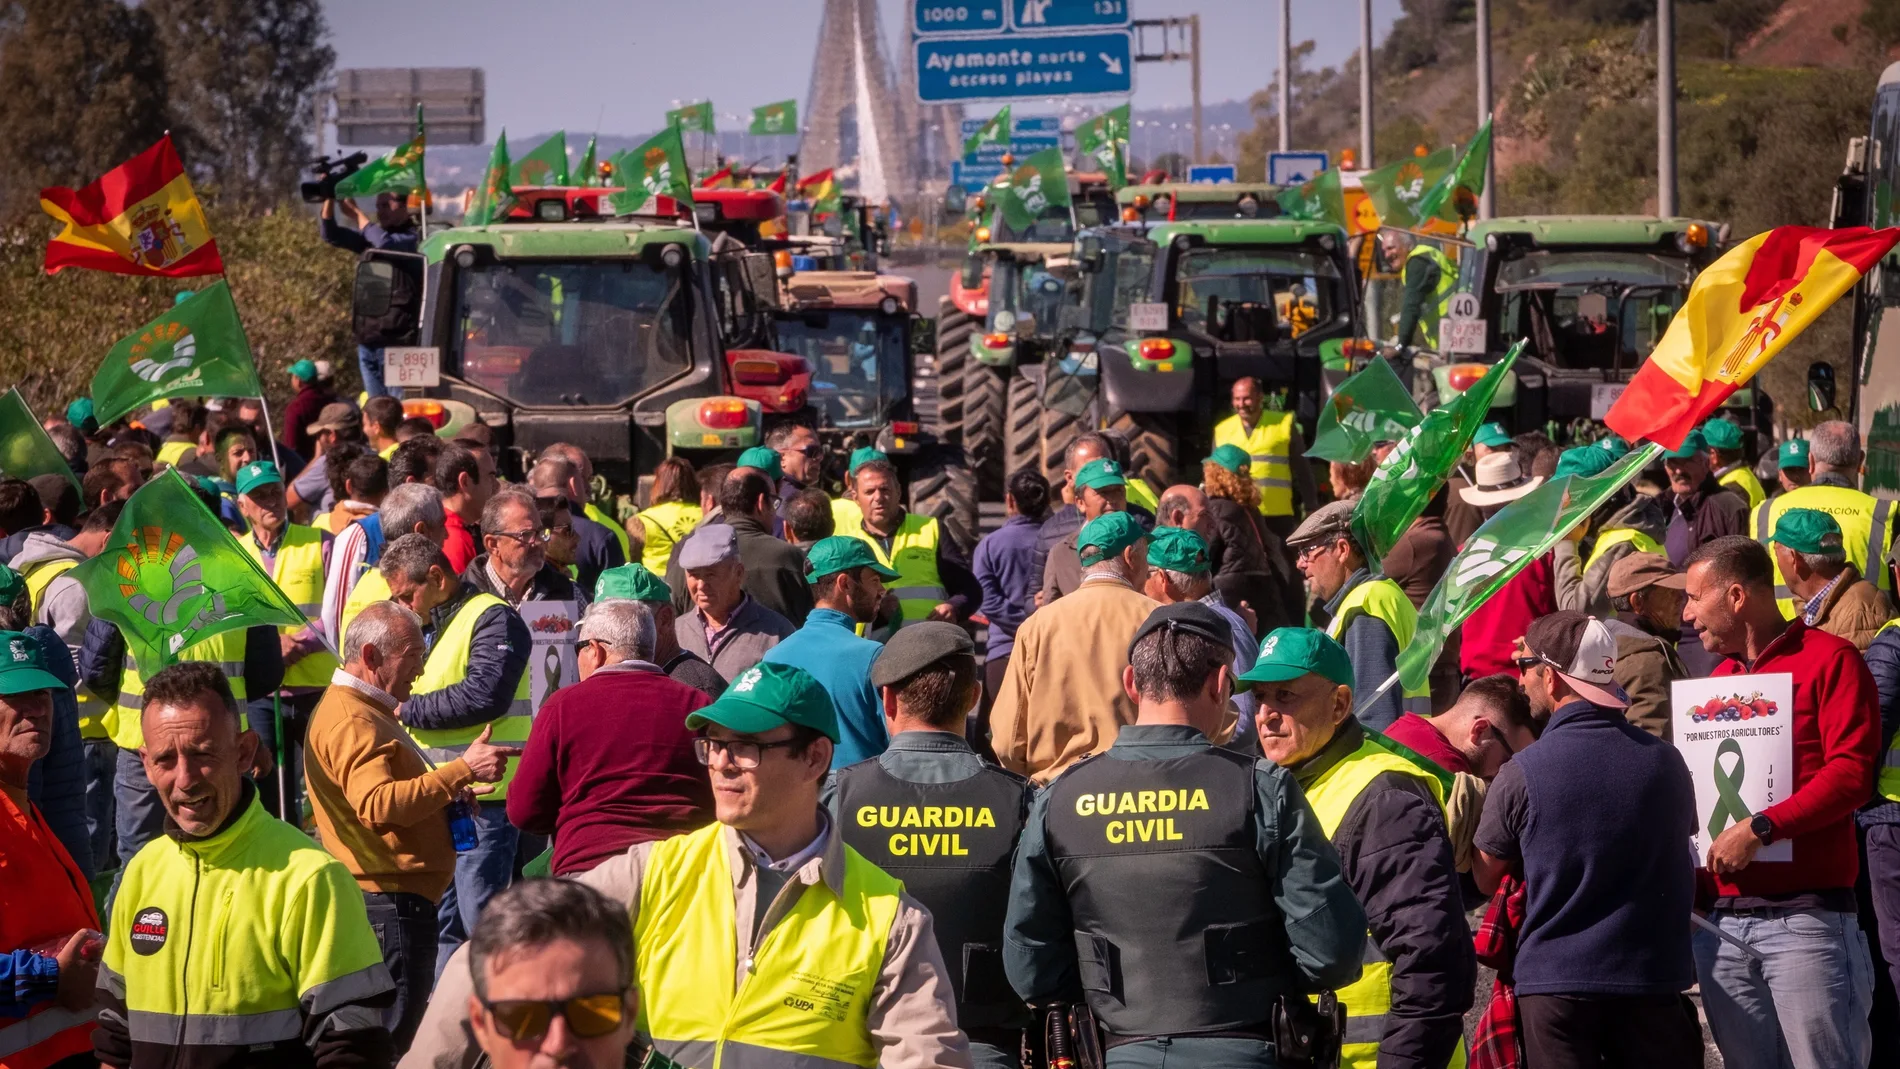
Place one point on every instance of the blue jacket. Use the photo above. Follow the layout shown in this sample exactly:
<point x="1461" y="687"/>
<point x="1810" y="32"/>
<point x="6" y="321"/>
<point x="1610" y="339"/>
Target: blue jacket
<point x="1004" y="564"/>
<point x="598" y="551"/>
<point x="498" y="654"/>
<point x="57" y="782"/>
<point x="102" y="660"/>
<point x="829" y="648"/>
<point x="1883" y="660"/>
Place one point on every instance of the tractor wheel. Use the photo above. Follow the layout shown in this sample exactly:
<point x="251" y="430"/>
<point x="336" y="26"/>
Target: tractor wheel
<point x="1022" y="445"/>
<point x="985" y="396"/>
<point x="953" y="352"/>
<point x="1059" y="430"/>
<point x="941" y="485"/>
<point x="1154" y="445"/>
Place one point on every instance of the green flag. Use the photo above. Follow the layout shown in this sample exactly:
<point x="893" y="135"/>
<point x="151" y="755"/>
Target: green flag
<point x="1454" y="198"/>
<point x="656" y="168"/>
<point x="1408" y="477"/>
<point x="1320" y="199"/>
<point x="398" y="172"/>
<point x="1372" y="406"/>
<point x="1397" y="188"/>
<point x="994" y="132"/>
<point x="693" y="117"/>
<point x="496" y="194"/>
<point x="1040" y="183"/>
<point x="1521" y="532"/>
<point x="1104" y="139"/>
<point x="545" y="166"/>
<point x="779" y="118"/>
<point x="196" y="349"/>
<point x="171" y="575"/>
<point x="589" y="174"/>
<point x="25" y="448"/>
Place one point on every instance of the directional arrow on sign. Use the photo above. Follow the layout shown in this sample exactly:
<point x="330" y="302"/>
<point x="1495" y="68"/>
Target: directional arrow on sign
<point x="1114" y="65"/>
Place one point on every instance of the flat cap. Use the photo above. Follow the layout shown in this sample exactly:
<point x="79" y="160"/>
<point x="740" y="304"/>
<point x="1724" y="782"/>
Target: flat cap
<point x="917" y="647"/>
<point x="715" y="543"/>
<point x="1331" y="521"/>
<point x="1190" y="616"/>
<point x="1640" y="571"/>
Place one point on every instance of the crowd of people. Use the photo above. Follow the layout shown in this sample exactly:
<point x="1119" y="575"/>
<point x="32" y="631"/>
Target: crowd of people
<point x="793" y="812"/>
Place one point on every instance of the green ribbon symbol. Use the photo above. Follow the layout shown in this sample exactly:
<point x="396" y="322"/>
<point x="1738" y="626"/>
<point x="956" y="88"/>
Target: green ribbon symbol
<point x="1729" y="807"/>
<point x="551" y="670"/>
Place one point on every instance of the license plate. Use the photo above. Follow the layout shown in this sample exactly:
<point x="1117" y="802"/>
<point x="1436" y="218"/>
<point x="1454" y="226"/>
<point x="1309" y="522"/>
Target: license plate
<point x="1465" y="336"/>
<point x="1148" y="316"/>
<point x="419" y="366"/>
<point x="1602" y="396"/>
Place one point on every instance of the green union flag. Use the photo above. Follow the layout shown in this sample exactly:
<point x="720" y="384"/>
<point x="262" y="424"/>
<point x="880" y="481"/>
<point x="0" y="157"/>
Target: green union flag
<point x="994" y="132"/>
<point x="496" y="194"/>
<point x="1521" y="532"/>
<point x="1454" y="198"/>
<point x="1371" y="407"/>
<point x="1039" y="184"/>
<point x="1319" y="199"/>
<point x="25" y="448"/>
<point x="779" y="118"/>
<point x="545" y="166"/>
<point x="589" y="174"/>
<point x="197" y="349"/>
<point x="1408" y="477"/>
<point x="693" y="117"/>
<point x="398" y="172"/>
<point x="1397" y="189"/>
<point x="171" y="575"/>
<point x="655" y="169"/>
<point x="1104" y="139"/>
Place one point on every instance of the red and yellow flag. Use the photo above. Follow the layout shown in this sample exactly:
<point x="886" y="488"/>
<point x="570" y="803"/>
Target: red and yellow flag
<point x="778" y="184"/>
<point x="140" y="218"/>
<point x="1738" y="315"/>
<point x="720" y="179"/>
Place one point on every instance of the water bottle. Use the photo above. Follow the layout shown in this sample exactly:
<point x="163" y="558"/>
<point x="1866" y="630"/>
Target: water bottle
<point x="462" y="825"/>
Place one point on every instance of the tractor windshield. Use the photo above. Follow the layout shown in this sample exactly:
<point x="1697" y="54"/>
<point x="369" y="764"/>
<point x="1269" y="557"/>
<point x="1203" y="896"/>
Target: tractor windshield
<point x="856" y="359"/>
<point x="1591" y="308"/>
<point x="1302" y="286"/>
<point x="1019" y="289"/>
<point x="570" y="333"/>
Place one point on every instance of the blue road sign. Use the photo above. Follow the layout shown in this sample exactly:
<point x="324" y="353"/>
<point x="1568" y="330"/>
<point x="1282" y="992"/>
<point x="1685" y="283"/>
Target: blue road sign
<point x="1213" y="172"/>
<point x="974" y="176"/>
<point x="959" y="16"/>
<point x="1294" y="168"/>
<point x="1035" y="16"/>
<point x="1018" y="68"/>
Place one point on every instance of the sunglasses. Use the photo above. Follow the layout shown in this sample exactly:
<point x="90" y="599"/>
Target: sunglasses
<point x="1525" y="664"/>
<point x="588" y="1016"/>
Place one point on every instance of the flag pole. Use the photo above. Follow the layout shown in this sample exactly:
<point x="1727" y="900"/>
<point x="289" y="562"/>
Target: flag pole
<point x="424" y="171"/>
<point x="1375" y="695"/>
<point x="283" y="779"/>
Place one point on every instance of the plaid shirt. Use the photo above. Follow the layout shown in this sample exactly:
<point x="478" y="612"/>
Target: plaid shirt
<point x="1496" y="1043"/>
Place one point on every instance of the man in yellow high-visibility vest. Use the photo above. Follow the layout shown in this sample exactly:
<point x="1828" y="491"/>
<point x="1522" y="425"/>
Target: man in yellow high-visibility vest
<point x="1273" y="442"/>
<point x="1730" y="463"/>
<point x="1867" y="523"/>
<point x="1369" y="614"/>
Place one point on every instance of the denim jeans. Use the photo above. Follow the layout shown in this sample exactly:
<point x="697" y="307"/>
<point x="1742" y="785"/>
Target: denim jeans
<point x="405" y="930"/>
<point x="1804" y="1005"/>
<point x="101" y="759"/>
<point x="139" y="816"/>
<point x="296" y="711"/>
<point x="369" y="362"/>
<point x="480" y="874"/>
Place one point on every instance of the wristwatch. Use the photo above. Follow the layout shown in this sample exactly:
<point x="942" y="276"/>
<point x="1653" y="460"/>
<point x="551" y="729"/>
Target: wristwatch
<point x="1763" y="828"/>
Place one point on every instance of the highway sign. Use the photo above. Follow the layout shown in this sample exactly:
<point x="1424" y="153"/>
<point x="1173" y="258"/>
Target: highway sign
<point x="1034" y="16"/>
<point x="955" y="69"/>
<point x="974" y="175"/>
<point x="1213" y="172"/>
<point x="958" y="16"/>
<point x="1294" y="168"/>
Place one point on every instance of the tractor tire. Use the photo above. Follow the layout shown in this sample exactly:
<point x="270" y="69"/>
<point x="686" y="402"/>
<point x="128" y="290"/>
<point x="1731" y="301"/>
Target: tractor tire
<point x="1022" y="442"/>
<point x="953" y="352"/>
<point x="985" y="409"/>
<point x="1154" y="445"/>
<point x="1058" y="431"/>
<point x="941" y="485"/>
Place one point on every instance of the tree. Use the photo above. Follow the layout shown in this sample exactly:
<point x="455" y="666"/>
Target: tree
<point x="81" y="91"/>
<point x="243" y="75"/>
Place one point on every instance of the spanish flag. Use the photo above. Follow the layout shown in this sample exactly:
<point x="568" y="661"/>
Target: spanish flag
<point x="140" y="218"/>
<point x="1739" y="313"/>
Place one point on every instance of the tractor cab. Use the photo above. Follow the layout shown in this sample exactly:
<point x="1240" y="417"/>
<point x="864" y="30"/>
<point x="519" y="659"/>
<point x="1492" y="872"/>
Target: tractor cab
<point x="1149" y="205"/>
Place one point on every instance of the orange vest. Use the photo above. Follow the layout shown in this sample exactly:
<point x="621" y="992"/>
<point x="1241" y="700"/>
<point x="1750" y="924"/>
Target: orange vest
<point x="43" y="898"/>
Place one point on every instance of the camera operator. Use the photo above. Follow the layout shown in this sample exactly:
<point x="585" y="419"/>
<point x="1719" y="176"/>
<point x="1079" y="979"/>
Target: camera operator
<point x="395" y="229"/>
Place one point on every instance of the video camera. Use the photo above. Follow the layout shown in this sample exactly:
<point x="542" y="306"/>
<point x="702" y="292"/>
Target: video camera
<point x="333" y="171"/>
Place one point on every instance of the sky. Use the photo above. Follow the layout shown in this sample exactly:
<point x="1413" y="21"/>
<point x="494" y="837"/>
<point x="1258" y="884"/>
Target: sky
<point x="617" y="66"/>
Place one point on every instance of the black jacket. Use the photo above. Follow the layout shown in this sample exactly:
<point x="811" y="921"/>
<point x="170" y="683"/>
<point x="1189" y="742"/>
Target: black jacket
<point x="498" y="654"/>
<point x="1249" y="565"/>
<point x="102" y="661"/>
<point x="548" y="584"/>
<point x="599" y="550"/>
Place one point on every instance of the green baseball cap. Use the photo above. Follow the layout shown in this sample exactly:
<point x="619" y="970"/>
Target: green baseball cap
<point x="1100" y="474"/>
<point x="766" y="460"/>
<point x="23" y="664"/>
<point x="1615" y="446"/>
<point x="864" y="455"/>
<point x="1721" y="434"/>
<point x="12" y="583"/>
<point x="80" y="415"/>
<point x="304" y="370"/>
<point x="1809" y="531"/>
<point x="1231" y="457"/>
<point x="1692" y="444"/>
<point x="1584" y="460"/>
<point x="768" y="695"/>
<point x="1792" y="454"/>
<point x="1105" y="536"/>
<point x="1492" y="436"/>
<point x="1291" y="652"/>
<point x="633" y="582"/>
<point x="842" y="553"/>
<point x="1178" y="550"/>
<point x="257" y="473"/>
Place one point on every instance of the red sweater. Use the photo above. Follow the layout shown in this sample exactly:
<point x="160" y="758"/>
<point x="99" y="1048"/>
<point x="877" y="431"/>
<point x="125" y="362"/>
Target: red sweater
<point x="1836" y="728"/>
<point x="609" y="763"/>
<point x="1417" y="733"/>
<point x="1490" y="634"/>
<point x="460" y="546"/>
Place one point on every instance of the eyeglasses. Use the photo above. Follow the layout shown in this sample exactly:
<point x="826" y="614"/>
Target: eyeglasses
<point x="1525" y="664"/>
<point x="558" y="529"/>
<point x="813" y="451"/>
<point x="524" y="538"/>
<point x="743" y="753"/>
<point x="588" y="1016"/>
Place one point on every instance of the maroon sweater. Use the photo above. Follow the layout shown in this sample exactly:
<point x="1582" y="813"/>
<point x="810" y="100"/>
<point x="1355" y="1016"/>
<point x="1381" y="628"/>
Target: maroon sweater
<point x="609" y="763"/>
<point x="1836" y="725"/>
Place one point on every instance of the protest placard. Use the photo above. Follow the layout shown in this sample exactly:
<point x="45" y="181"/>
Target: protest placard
<point x="1736" y="735"/>
<point x="552" y="629"/>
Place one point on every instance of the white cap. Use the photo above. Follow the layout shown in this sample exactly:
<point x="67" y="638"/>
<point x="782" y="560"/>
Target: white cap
<point x="1592" y="673"/>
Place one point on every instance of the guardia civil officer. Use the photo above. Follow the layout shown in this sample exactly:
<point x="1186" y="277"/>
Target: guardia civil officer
<point x="932" y="813"/>
<point x="1178" y="888"/>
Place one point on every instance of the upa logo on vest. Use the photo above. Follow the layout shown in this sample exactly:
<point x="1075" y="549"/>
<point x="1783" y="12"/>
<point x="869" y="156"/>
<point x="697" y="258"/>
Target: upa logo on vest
<point x="745" y="683"/>
<point x="150" y="927"/>
<point x="20" y="653"/>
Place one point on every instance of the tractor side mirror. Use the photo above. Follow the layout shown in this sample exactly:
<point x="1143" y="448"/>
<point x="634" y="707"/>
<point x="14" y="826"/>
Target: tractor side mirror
<point x="1821" y="391"/>
<point x="1089" y="247"/>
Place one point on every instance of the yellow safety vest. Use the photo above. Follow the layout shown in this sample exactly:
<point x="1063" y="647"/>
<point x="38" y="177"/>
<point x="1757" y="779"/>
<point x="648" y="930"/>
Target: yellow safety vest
<point x="39" y="576"/>
<point x="1138" y="492"/>
<point x="1743" y="481"/>
<point x="1866" y="530"/>
<point x="1368" y="999"/>
<point x="170" y="453"/>
<point x="369" y="590"/>
<point x="389" y="450"/>
<point x="846" y="517"/>
<point x="913" y="557"/>
<point x="805" y="999"/>
<point x="665" y="524"/>
<point x="448" y="665"/>
<point x="1616" y="536"/>
<point x="297" y="570"/>
<point x="1435" y="312"/>
<point x="1887" y="785"/>
<point x="240" y="939"/>
<point x="122" y="721"/>
<point x="593" y="512"/>
<point x="1271" y="448"/>
<point x="1385" y="600"/>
